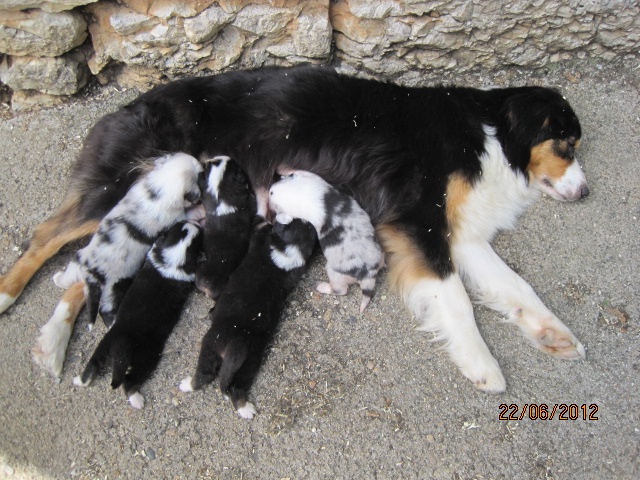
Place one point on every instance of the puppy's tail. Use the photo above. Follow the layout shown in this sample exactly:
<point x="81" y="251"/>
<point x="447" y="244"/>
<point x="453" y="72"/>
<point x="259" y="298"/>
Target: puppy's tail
<point x="368" y="286"/>
<point x="122" y="354"/>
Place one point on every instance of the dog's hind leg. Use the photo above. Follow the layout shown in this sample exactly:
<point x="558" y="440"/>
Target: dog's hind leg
<point x="501" y="289"/>
<point x="51" y="345"/>
<point x="442" y="306"/>
<point x="48" y="238"/>
<point x="209" y="362"/>
<point x="237" y="374"/>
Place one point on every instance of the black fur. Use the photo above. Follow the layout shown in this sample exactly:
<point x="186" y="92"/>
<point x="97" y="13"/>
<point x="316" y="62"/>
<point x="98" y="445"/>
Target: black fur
<point x="391" y="147"/>
<point x="147" y="315"/>
<point x="247" y="314"/>
<point x="226" y="237"/>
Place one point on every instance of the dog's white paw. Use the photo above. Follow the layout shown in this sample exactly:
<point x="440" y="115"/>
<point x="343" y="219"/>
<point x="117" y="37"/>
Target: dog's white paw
<point x="185" y="385"/>
<point x="248" y="411"/>
<point x="51" y="346"/>
<point x="6" y="301"/>
<point x="550" y="335"/>
<point x="485" y="374"/>
<point x="136" y="400"/>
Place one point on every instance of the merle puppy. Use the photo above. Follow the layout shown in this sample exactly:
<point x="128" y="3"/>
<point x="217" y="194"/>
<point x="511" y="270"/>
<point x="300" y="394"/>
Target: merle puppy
<point x="247" y="314"/>
<point x="346" y="235"/>
<point x="125" y="235"/>
<point x="148" y="313"/>
<point x="230" y="208"/>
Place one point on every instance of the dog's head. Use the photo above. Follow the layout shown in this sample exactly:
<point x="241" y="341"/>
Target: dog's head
<point x="175" y="254"/>
<point x="541" y="134"/>
<point x="174" y="179"/>
<point x="299" y="194"/>
<point x="224" y="183"/>
<point x="292" y="242"/>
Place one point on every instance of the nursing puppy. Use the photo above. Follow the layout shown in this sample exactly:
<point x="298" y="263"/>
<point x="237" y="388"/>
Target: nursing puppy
<point x="230" y="208"/>
<point x="103" y="270"/>
<point x="148" y="313"/>
<point x="344" y="230"/>
<point x="126" y="234"/>
<point x="246" y="316"/>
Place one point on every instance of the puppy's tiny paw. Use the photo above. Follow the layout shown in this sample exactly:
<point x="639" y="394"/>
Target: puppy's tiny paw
<point x="324" y="288"/>
<point x="248" y="411"/>
<point x="185" y="385"/>
<point x="77" y="381"/>
<point x="136" y="400"/>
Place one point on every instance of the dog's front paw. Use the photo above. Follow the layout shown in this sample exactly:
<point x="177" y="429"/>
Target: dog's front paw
<point x="561" y="344"/>
<point x="550" y="335"/>
<point x="485" y="375"/>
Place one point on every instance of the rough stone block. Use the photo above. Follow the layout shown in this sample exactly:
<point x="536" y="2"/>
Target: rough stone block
<point x="41" y="34"/>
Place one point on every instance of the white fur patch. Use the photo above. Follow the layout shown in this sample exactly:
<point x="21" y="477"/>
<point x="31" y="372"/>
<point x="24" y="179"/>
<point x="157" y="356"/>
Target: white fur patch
<point x="136" y="400"/>
<point x="300" y="196"/>
<point x="6" y="301"/>
<point x="185" y="385"/>
<point x="215" y="174"/>
<point x="569" y="186"/>
<point x="289" y="259"/>
<point x="77" y="381"/>
<point x="248" y="411"/>
<point x="224" y="208"/>
<point x="51" y="345"/>
<point x="499" y="197"/>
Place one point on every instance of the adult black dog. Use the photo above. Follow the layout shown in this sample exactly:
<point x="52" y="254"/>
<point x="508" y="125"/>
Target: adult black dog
<point x="439" y="170"/>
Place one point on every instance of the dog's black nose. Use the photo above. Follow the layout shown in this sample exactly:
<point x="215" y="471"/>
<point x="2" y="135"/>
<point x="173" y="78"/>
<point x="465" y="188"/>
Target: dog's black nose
<point x="584" y="192"/>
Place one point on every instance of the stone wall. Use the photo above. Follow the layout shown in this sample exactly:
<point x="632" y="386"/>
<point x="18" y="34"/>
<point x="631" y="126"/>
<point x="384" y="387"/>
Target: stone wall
<point x="50" y="48"/>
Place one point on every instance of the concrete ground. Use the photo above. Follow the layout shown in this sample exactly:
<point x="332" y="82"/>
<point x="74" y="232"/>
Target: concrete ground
<point x="343" y="395"/>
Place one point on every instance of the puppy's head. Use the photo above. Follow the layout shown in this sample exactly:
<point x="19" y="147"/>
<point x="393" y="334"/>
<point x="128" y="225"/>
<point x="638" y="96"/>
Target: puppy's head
<point x="174" y="179"/>
<point x="175" y="254"/>
<point x="292" y="242"/>
<point x="224" y="182"/>
<point x="542" y="135"/>
<point x="300" y="194"/>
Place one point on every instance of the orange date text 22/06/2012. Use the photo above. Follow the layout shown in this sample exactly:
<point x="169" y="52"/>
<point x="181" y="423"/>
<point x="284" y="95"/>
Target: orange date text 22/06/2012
<point x="543" y="411"/>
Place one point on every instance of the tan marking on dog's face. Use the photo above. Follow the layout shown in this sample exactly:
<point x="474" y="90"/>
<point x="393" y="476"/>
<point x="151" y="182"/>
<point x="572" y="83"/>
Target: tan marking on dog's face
<point x="547" y="163"/>
<point x="407" y="264"/>
<point x="458" y="190"/>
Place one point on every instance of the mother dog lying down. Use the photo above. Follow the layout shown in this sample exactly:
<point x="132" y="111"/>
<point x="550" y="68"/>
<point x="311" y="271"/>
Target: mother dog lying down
<point x="440" y="170"/>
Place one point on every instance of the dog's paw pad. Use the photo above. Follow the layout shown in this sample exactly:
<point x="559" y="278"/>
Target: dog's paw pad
<point x="324" y="288"/>
<point x="136" y="400"/>
<point x="186" y="385"/>
<point x="248" y="411"/>
<point x="560" y="344"/>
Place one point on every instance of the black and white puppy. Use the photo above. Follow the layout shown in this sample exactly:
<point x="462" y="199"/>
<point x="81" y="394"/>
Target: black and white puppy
<point x="346" y="235"/>
<point x="247" y="313"/>
<point x="149" y="311"/>
<point x="125" y="235"/>
<point x="229" y="211"/>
